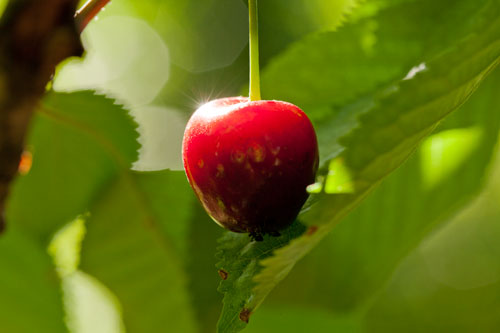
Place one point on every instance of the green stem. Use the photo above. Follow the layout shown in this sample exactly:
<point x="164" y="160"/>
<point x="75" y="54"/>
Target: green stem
<point x="254" y="51"/>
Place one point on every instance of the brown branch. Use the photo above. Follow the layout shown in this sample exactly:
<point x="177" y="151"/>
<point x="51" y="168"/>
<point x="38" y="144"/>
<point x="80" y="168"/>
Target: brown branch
<point x="88" y="11"/>
<point x="34" y="37"/>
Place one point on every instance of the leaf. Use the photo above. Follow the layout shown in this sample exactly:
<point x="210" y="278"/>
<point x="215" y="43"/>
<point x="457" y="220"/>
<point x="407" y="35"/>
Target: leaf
<point x="296" y="19"/>
<point x="296" y="319"/>
<point x="357" y="259"/>
<point x="332" y="68"/>
<point x="387" y="134"/>
<point x="90" y="307"/>
<point x="79" y="143"/>
<point x="169" y="200"/>
<point x="451" y="282"/>
<point x="239" y="260"/>
<point x="416" y="206"/>
<point x="200" y="268"/>
<point x="445" y="309"/>
<point x="134" y="246"/>
<point x="29" y="286"/>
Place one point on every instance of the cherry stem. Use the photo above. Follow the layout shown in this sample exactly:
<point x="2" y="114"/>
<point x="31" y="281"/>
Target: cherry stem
<point x="254" y="51"/>
<point x="87" y="12"/>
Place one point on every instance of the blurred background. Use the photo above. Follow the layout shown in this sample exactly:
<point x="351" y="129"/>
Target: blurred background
<point x="422" y="253"/>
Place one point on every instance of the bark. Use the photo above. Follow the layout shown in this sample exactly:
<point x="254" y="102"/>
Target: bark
<point x="34" y="37"/>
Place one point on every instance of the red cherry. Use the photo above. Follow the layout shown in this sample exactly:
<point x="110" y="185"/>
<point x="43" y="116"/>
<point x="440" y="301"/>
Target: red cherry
<point x="249" y="162"/>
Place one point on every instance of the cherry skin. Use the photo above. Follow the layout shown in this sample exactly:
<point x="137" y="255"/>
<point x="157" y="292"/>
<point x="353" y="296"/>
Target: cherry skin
<point x="249" y="162"/>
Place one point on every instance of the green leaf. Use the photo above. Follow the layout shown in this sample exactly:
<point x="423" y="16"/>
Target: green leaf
<point x="29" y="287"/>
<point x="356" y="260"/>
<point x="332" y="68"/>
<point x="439" y="307"/>
<point x="134" y="246"/>
<point x="201" y="268"/>
<point x="387" y="135"/>
<point x="297" y="319"/>
<point x="79" y="143"/>
<point x="388" y="234"/>
<point x="239" y="260"/>
<point x="452" y="281"/>
<point x="169" y="199"/>
<point x="296" y="19"/>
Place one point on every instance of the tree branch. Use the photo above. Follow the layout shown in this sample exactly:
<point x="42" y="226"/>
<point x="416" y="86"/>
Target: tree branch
<point x="88" y="11"/>
<point x="34" y="37"/>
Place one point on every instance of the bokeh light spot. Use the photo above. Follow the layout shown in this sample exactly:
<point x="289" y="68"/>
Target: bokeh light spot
<point x="446" y="151"/>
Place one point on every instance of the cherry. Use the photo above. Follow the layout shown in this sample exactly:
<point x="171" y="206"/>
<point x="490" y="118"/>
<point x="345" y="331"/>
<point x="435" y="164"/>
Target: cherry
<point x="249" y="162"/>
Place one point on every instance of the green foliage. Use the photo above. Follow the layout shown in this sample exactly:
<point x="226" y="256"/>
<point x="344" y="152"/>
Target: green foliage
<point x="240" y="270"/>
<point x="398" y="215"/>
<point x="332" y="68"/>
<point x="29" y="285"/>
<point x="200" y="267"/>
<point x="454" y="270"/>
<point x="313" y="15"/>
<point x="126" y="223"/>
<point x="387" y="134"/>
<point x="79" y="142"/>
<point x="386" y="235"/>
<point x="298" y="319"/>
<point x="380" y="79"/>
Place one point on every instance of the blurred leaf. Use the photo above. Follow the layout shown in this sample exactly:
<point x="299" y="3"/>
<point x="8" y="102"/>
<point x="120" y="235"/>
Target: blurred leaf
<point x="90" y="306"/>
<point x="337" y="67"/>
<point x="284" y="21"/>
<point x="134" y="245"/>
<point x="169" y="199"/>
<point x="416" y="301"/>
<point x="201" y="268"/>
<point x="452" y="281"/>
<point x="294" y="319"/>
<point x="29" y="287"/>
<point x="66" y="245"/>
<point x="79" y="142"/>
<point x="387" y="134"/>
